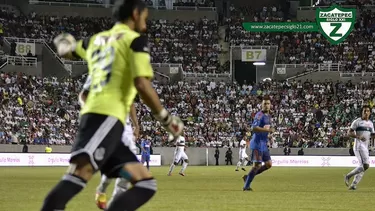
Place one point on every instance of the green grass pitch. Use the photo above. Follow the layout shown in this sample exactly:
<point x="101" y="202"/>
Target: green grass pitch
<point x="206" y="189"/>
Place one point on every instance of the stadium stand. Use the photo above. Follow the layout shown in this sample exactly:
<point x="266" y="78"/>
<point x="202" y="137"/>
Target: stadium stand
<point x="45" y="110"/>
<point x="41" y="110"/>
<point x="195" y="45"/>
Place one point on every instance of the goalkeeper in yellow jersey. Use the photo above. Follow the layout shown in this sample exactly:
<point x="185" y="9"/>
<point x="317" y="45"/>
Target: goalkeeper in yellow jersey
<point x="119" y="68"/>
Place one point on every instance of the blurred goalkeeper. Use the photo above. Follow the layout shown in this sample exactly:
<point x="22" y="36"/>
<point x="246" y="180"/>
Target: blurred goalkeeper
<point x="119" y="67"/>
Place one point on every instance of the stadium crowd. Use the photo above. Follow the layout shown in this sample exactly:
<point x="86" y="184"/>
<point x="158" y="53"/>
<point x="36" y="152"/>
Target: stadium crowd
<point x="45" y="110"/>
<point x="41" y="111"/>
<point x="196" y="44"/>
<point x="193" y="44"/>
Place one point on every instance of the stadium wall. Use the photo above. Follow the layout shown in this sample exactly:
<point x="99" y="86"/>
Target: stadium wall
<point x="197" y="156"/>
<point x="62" y="159"/>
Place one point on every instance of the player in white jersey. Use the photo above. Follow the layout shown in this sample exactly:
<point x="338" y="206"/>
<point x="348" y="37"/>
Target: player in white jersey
<point x="243" y="157"/>
<point x="179" y="154"/>
<point x="361" y="130"/>
<point x="121" y="184"/>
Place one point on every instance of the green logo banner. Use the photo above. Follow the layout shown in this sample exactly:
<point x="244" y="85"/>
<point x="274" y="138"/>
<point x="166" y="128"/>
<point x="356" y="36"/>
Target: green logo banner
<point x="335" y="23"/>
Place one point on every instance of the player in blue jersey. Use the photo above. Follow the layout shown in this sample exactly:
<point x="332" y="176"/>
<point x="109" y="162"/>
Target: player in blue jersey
<point x="258" y="144"/>
<point x="146" y="148"/>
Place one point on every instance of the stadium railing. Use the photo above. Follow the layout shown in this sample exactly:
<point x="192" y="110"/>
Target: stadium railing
<point x="23" y="40"/>
<point x="49" y="3"/>
<point x="318" y="67"/>
<point x="22" y="61"/>
<point x="314" y="7"/>
<point x="82" y="62"/>
<point x="360" y="74"/>
<point x="207" y="75"/>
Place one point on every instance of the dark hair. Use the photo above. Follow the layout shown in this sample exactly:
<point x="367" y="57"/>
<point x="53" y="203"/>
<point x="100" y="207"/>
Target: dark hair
<point x="123" y="9"/>
<point x="266" y="97"/>
<point x="364" y="107"/>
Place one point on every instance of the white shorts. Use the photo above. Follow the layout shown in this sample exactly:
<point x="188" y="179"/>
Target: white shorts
<point x="128" y="139"/>
<point x="243" y="155"/>
<point x="179" y="154"/>
<point x="362" y="155"/>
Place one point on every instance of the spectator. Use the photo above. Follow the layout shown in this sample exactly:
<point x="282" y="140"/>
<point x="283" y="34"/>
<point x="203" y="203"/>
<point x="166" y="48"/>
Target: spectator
<point x="25" y="148"/>
<point x="217" y="155"/>
<point x="301" y="152"/>
<point x="287" y="150"/>
<point x="228" y="156"/>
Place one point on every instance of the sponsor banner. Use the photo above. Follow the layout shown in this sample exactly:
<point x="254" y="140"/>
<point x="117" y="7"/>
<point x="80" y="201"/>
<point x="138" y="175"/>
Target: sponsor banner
<point x="254" y="55"/>
<point x="24" y="48"/>
<point x="318" y="161"/>
<point x="40" y="159"/>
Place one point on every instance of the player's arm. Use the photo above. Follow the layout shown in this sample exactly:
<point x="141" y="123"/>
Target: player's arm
<point x="372" y="131"/>
<point x="143" y="73"/>
<point x="142" y="146"/>
<point x="353" y="127"/>
<point x="68" y="47"/>
<point x="256" y="125"/>
<point x="133" y="117"/>
<point x="82" y="96"/>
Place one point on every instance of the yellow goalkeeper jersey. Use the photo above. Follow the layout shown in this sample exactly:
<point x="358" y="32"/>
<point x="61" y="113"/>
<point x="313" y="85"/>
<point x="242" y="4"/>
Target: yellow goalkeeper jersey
<point x="114" y="57"/>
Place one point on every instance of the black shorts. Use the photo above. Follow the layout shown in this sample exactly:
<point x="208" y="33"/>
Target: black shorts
<point x="99" y="137"/>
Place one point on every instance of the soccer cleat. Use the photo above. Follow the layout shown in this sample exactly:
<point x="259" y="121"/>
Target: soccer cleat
<point x="236" y="170"/>
<point x="346" y="179"/>
<point x="101" y="200"/>
<point x="169" y="174"/>
<point x="244" y="177"/>
<point x="182" y="174"/>
<point x="247" y="189"/>
<point x="353" y="187"/>
<point x="243" y="169"/>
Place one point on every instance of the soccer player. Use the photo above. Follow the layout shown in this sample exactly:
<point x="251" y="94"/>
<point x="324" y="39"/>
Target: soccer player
<point x="121" y="184"/>
<point x="243" y="158"/>
<point x="258" y="144"/>
<point x="145" y="147"/>
<point x="361" y="130"/>
<point x="179" y="154"/>
<point x="119" y="67"/>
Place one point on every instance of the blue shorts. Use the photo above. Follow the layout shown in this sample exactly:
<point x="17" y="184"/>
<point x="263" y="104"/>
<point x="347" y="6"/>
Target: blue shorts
<point x="145" y="158"/>
<point x="260" y="156"/>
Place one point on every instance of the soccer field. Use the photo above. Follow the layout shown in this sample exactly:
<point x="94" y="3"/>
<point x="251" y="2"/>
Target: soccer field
<point x="205" y="188"/>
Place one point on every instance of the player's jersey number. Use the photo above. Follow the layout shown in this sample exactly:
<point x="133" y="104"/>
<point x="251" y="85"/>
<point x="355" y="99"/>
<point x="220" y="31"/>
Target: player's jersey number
<point x="102" y="66"/>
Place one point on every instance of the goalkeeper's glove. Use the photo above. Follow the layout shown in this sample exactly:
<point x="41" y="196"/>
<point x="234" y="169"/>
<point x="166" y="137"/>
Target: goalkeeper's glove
<point x="65" y="44"/>
<point x="172" y="124"/>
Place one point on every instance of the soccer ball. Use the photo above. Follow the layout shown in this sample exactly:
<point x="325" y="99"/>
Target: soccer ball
<point x="65" y="44"/>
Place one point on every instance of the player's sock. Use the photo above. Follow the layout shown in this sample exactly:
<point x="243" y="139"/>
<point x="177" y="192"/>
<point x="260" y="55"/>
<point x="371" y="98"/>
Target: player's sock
<point x="135" y="197"/>
<point x="184" y="165"/>
<point x="357" y="178"/>
<point x="262" y="169"/>
<point x="171" y="168"/>
<point x="148" y="165"/>
<point x="355" y="171"/>
<point x="121" y="185"/>
<point x="250" y="178"/>
<point x="103" y="185"/>
<point x="238" y="165"/>
<point x="63" y="192"/>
